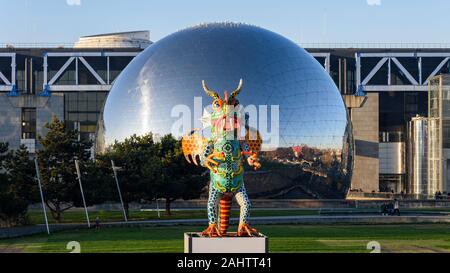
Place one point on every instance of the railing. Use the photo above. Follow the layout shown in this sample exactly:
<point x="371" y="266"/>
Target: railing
<point x="304" y="45"/>
<point x="36" y="45"/>
<point x="375" y="45"/>
<point x="100" y="44"/>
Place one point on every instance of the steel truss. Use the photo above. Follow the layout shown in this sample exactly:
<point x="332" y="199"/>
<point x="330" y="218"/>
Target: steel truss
<point x="8" y="81"/>
<point x="326" y="56"/>
<point x="363" y="81"/>
<point x="51" y="85"/>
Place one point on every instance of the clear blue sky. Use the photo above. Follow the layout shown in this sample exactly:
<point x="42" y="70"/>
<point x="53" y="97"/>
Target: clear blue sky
<point x="421" y="21"/>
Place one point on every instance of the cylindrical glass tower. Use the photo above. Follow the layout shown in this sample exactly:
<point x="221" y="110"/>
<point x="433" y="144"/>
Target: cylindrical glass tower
<point x="418" y="156"/>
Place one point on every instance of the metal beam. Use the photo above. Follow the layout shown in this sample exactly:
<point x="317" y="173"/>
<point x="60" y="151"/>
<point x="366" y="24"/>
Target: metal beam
<point x="4" y="79"/>
<point x="435" y="71"/>
<point x="419" y="66"/>
<point x="107" y="71"/>
<point x="397" y="88"/>
<point x="89" y="67"/>
<point x="387" y="54"/>
<point x="325" y="55"/>
<point x="76" y="71"/>
<point x="87" y="87"/>
<point x="404" y="54"/>
<point x="403" y="69"/>
<point x="45" y="66"/>
<point x="320" y="54"/>
<point x="339" y="73"/>
<point x="433" y="54"/>
<point x="121" y="54"/>
<point x="74" y="54"/>
<point x="389" y="72"/>
<point x="374" y="71"/>
<point x="6" y="54"/>
<point x="91" y="54"/>
<point x="358" y="70"/>
<point x="61" y="70"/>
<point x="13" y="69"/>
<point x="5" y="88"/>
<point x="327" y="63"/>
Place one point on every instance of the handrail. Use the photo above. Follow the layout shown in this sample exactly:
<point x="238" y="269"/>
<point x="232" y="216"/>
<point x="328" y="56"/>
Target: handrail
<point x="379" y="45"/>
<point x="36" y="45"/>
<point x="375" y="45"/>
<point x="99" y="44"/>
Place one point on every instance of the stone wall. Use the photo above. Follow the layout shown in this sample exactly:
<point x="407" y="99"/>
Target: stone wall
<point x="10" y="119"/>
<point x="365" y="133"/>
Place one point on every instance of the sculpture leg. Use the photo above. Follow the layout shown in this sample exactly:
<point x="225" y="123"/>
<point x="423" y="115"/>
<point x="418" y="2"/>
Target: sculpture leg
<point x="213" y="204"/>
<point x="244" y="202"/>
<point x="224" y="211"/>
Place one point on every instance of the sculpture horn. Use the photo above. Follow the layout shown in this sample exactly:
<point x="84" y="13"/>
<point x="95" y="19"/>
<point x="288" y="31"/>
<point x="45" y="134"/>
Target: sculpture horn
<point x="237" y="90"/>
<point x="209" y="92"/>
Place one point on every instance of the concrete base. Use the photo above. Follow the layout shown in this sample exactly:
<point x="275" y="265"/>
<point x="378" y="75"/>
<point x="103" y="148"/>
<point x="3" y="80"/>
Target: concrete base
<point x="195" y="243"/>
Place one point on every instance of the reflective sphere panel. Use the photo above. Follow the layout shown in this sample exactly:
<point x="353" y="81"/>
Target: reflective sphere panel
<point x="299" y="111"/>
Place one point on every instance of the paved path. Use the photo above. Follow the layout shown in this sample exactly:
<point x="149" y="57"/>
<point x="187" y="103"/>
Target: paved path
<point x="311" y="219"/>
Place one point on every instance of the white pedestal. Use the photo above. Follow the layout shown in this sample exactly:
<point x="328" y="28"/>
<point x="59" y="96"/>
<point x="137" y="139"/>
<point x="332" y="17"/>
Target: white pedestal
<point x="195" y="243"/>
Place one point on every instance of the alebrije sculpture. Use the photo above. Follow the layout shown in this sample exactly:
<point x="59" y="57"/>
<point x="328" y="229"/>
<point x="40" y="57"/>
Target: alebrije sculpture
<point x="224" y="153"/>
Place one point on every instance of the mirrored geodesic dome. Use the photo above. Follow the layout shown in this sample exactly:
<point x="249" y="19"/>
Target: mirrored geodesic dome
<point x="307" y="143"/>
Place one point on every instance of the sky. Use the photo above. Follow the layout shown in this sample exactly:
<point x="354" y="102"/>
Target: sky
<point x="314" y="21"/>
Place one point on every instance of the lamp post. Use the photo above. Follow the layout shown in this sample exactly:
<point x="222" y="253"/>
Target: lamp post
<point x="118" y="189"/>
<point x="77" y="166"/>
<point x="38" y="175"/>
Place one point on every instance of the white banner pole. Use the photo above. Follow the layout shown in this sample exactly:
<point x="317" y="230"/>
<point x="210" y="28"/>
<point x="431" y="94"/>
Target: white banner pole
<point x="38" y="175"/>
<point x="118" y="189"/>
<point x="77" y="166"/>
<point x="157" y="208"/>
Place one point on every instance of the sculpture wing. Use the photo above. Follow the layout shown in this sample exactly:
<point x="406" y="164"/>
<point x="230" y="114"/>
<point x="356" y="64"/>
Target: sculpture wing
<point x="253" y="140"/>
<point x="193" y="145"/>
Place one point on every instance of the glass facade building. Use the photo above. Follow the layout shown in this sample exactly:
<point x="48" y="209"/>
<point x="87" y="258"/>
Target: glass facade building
<point x="383" y="89"/>
<point x="71" y="84"/>
<point x="439" y="134"/>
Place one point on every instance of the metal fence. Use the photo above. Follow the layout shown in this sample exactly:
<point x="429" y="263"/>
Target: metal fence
<point x="374" y="45"/>
<point x="36" y="45"/>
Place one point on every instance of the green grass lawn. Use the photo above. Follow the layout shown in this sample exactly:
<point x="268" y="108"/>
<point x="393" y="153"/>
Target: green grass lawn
<point x="282" y="238"/>
<point x="78" y="216"/>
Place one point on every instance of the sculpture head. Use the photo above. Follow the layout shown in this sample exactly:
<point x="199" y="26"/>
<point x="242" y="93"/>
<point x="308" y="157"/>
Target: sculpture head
<point x="225" y="121"/>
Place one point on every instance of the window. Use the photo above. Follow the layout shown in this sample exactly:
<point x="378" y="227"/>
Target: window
<point x="28" y="123"/>
<point x="82" y="110"/>
<point x="391" y="137"/>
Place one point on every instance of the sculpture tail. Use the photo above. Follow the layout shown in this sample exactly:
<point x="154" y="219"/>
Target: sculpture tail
<point x="225" y="207"/>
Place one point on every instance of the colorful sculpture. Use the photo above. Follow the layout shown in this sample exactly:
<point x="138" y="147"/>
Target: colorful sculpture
<point x="223" y="154"/>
